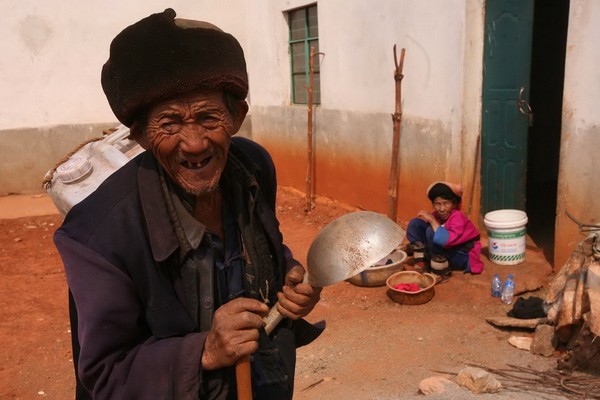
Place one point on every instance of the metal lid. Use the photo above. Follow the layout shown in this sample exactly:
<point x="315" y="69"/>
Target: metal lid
<point x="74" y="169"/>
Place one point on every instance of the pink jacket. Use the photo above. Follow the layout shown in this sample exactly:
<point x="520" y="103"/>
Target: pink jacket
<point x="458" y="230"/>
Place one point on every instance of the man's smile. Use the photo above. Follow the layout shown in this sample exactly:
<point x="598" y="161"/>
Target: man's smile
<point x="195" y="165"/>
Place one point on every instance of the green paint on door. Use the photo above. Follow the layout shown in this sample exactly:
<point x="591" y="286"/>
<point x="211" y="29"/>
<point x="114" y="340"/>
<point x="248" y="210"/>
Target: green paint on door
<point x="507" y="63"/>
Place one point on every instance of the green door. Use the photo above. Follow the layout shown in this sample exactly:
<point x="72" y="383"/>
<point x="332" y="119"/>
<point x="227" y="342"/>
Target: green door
<point x="505" y="120"/>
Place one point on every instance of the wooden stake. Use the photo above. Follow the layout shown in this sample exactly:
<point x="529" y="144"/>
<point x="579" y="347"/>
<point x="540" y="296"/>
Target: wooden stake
<point x="474" y="177"/>
<point x="397" y="119"/>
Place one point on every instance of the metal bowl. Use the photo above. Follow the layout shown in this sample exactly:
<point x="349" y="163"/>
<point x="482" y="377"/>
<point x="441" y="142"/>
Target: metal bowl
<point x="377" y="274"/>
<point x="425" y="281"/>
<point x="350" y="244"/>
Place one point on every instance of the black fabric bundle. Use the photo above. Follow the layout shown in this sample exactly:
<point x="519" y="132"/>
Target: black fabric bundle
<point x="528" y="308"/>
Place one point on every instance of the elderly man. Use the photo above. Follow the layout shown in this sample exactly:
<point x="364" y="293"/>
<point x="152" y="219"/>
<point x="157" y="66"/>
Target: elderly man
<point x="175" y="259"/>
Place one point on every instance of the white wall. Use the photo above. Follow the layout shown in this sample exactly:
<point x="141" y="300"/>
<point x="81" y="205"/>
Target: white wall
<point x="357" y="67"/>
<point x="56" y="48"/>
<point x="582" y="76"/>
<point x="358" y="90"/>
<point x="359" y="58"/>
<point x="53" y="52"/>
<point x="578" y="190"/>
<point x="265" y="46"/>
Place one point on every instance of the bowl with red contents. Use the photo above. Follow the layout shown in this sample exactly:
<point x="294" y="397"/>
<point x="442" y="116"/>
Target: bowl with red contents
<point x="410" y="287"/>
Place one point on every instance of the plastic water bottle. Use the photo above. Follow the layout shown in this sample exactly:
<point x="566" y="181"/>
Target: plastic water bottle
<point x="496" y="286"/>
<point x="508" y="290"/>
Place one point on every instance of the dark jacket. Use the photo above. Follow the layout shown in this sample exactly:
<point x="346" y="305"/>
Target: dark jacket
<point x="133" y="337"/>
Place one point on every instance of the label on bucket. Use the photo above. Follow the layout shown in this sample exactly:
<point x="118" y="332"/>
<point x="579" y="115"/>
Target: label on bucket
<point x="507" y="247"/>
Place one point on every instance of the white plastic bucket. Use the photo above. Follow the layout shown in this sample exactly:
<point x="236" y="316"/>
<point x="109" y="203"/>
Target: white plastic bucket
<point x="506" y="236"/>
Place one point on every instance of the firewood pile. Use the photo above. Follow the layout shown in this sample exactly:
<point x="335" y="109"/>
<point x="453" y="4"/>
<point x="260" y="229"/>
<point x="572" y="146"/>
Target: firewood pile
<point x="573" y="306"/>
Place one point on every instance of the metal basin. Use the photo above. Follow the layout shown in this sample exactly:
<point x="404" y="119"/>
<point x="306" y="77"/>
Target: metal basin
<point x="377" y="274"/>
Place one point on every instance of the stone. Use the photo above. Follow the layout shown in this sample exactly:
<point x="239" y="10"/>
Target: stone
<point x="544" y="340"/>
<point x="521" y="342"/>
<point x="516" y="322"/>
<point x="478" y="380"/>
<point x="436" y="384"/>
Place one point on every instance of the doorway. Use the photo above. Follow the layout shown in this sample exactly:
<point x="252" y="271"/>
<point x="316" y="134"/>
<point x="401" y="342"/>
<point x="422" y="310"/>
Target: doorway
<point x="524" y="58"/>
<point x="549" y="41"/>
<point x="506" y="89"/>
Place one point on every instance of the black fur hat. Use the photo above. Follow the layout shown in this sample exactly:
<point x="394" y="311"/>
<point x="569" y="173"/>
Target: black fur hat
<point x="160" y="57"/>
<point x="445" y="191"/>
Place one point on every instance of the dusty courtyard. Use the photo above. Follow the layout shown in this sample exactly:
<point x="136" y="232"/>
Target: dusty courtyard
<point x="372" y="347"/>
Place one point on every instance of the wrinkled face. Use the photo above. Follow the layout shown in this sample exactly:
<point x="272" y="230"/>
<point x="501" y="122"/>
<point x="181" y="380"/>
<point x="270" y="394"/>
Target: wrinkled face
<point x="190" y="136"/>
<point x="443" y="207"/>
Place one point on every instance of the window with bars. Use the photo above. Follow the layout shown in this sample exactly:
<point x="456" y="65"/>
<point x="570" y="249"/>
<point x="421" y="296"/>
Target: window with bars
<point x="304" y="34"/>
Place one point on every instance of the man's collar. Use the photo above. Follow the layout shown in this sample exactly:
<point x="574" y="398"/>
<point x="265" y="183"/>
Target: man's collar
<point x="163" y="240"/>
<point x="192" y="228"/>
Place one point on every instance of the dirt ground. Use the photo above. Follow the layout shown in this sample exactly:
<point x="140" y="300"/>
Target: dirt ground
<point x="372" y="347"/>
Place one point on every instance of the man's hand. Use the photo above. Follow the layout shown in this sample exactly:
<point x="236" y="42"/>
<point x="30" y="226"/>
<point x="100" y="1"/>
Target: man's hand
<point x="297" y="298"/>
<point x="234" y="332"/>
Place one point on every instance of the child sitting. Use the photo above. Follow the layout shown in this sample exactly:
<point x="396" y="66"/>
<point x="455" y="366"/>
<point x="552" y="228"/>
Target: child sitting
<point x="447" y="233"/>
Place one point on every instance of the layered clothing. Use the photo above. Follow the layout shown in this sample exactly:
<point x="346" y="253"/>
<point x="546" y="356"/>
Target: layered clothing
<point x="145" y="279"/>
<point x="456" y="238"/>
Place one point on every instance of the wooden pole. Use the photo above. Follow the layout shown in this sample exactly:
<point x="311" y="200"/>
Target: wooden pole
<point x="474" y="177"/>
<point x="309" y="172"/>
<point x="397" y="119"/>
<point x="243" y="378"/>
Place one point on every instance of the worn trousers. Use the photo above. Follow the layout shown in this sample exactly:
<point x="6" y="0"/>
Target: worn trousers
<point x="419" y="230"/>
